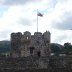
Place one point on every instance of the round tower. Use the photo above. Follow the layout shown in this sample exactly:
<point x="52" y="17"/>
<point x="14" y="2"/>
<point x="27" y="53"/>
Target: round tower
<point x="47" y="40"/>
<point x="15" y="44"/>
<point x="25" y="41"/>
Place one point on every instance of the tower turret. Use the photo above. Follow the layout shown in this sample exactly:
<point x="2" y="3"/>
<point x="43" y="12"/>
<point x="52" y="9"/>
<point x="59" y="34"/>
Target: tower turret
<point x="15" y="44"/>
<point x="47" y="41"/>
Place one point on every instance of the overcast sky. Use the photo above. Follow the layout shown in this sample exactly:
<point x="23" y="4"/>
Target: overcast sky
<point x="21" y="16"/>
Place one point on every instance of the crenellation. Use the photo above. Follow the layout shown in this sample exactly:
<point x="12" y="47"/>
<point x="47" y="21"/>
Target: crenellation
<point x="26" y="44"/>
<point x="32" y="52"/>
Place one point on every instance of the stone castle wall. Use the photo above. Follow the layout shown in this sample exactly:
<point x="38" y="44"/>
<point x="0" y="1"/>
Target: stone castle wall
<point x="51" y="64"/>
<point x="24" y="45"/>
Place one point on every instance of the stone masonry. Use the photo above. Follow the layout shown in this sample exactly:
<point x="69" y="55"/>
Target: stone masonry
<point x="30" y="45"/>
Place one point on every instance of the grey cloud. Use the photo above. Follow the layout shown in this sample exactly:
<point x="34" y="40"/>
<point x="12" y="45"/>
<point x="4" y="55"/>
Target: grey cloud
<point x="65" y="24"/>
<point x="16" y="2"/>
<point x="60" y="38"/>
<point x="25" y="22"/>
<point x="53" y="3"/>
<point x="4" y="34"/>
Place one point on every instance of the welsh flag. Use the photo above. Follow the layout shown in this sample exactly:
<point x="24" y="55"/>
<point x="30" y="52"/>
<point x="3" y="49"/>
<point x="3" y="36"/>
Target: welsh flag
<point x="39" y="14"/>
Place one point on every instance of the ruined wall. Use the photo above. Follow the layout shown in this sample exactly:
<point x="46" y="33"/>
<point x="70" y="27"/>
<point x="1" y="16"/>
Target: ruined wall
<point x="47" y="41"/>
<point x="52" y="64"/>
<point x="15" y="44"/>
<point x="25" y="43"/>
<point x="30" y="45"/>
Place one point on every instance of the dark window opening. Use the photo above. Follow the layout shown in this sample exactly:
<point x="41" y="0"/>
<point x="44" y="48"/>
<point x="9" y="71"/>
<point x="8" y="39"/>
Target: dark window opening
<point x="31" y="50"/>
<point x="38" y="53"/>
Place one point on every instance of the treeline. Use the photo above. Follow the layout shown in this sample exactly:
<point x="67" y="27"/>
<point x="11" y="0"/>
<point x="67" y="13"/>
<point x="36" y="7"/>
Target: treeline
<point x="62" y="49"/>
<point x="5" y="46"/>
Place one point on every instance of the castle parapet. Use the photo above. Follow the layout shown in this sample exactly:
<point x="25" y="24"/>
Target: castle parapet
<point x="26" y="37"/>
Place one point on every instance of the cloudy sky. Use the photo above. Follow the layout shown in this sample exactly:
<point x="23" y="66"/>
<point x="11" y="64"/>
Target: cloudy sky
<point x="21" y="15"/>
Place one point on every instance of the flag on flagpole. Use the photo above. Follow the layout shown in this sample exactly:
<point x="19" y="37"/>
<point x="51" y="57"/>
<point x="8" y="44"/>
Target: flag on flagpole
<point x="39" y="14"/>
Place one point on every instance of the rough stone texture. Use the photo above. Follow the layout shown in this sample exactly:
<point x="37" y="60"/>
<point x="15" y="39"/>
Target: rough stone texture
<point x="15" y="44"/>
<point x="42" y="64"/>
<point x="27" y="44"/>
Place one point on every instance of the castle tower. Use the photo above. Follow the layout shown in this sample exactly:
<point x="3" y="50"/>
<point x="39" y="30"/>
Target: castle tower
<point x="38" y="43"/>
<point x="47" y="40"/>
<point x="30" y="45"/>
<point x="25" y="43"/>
<point x="15" y="44"/>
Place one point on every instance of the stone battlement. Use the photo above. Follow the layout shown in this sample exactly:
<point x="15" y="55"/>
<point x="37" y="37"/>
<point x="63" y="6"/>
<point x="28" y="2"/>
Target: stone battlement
<point x="24" y="45"/>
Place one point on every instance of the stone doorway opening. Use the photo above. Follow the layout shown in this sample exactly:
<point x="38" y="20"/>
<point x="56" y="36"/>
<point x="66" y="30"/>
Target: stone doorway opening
<point x="31" y="50"/>
<point x="39" y="53"/>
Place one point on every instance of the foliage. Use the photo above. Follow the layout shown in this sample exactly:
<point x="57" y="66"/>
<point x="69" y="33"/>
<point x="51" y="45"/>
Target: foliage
<point x="4" y="46"/>
<point x="67" y="48"/>
<point x="55" y="48"/>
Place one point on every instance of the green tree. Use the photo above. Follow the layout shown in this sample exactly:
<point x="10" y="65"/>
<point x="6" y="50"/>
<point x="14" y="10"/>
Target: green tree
<point x="67" y="48"/>
<point x="55" y="49"/>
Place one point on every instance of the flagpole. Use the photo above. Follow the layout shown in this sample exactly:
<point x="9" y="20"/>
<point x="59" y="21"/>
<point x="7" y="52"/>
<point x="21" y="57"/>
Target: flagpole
<point x="37" y="20"/>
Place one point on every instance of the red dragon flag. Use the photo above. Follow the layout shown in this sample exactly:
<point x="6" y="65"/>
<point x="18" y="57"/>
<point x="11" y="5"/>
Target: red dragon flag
<point x="39" y="14"/>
